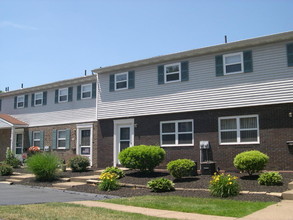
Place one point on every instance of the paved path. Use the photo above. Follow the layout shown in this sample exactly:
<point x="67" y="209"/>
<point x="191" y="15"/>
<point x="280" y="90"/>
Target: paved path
<point x="19" y="194"/>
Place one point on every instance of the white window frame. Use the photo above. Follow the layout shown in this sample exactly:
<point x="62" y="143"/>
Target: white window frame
<point x="35" y="101"/>
<point x="241" y="62"/>
<point x="82" y="92"/>
<point x="115" y="81"/>
<point x="61" y="139"/>
<point x="238" y="129"/>
<point x="59" y="95"/>
<point x="18" y="101"/>
<point x="36" y="139"/>
<point x="166" y="74"/>
<point x="176" y="132"/>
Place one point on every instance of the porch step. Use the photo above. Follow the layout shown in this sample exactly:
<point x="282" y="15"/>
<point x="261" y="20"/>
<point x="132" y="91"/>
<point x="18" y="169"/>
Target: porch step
<point x="67" y="185"/>
<point x="14" y="180"/>
<point x="83" y="178"/>
<point x="22" y="175"/>
<point x="290" y="185"/>
<point x="6" y="182"/>
<point x="288" y="195"/>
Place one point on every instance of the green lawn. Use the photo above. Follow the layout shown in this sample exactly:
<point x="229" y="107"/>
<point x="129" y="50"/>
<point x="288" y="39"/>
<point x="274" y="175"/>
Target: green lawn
<point x="220" y="207"/>
<point x="58" y="211"/>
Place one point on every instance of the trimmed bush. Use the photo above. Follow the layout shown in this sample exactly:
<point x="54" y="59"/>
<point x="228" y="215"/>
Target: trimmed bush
<point x="250" y="161"/>
<point x="142" y="157"/>
<point x="5" y="169"/>
<point x="224" y="185"/>
<point x="115" y="170"/>
<point x="270" y="179"/>
<point x="11" y="159"/>
<point x="109" y="182"/>
<point x="161" y="185"/>
<point x="79" y="163"/>
<point x="180" y="168"/>
<point x="44" y="166"/>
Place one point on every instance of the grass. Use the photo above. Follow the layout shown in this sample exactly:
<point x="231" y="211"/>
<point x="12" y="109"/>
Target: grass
<point x="56" y="211"/>
<point x="219" y="207"/>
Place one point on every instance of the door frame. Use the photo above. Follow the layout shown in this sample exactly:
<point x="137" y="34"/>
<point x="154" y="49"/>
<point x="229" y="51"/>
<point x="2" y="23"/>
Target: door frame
<point x="79" y="128"/>
<point x="16" y="132"/>
<point x="117" y="125"/>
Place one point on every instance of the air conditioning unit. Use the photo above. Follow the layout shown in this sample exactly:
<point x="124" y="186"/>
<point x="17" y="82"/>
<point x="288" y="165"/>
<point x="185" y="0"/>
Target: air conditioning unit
<point x="204" y="145"/>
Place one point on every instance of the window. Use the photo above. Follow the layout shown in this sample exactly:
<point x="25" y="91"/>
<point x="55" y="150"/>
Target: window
<point x="61" y="139"/>
<point x="36" y="138"/>
<point x="86" y="91"/>
<point x="239" y="130"/>
<point x="121" y="81"/>
<point x="172" y="72"/>
<point x="63" y="95"/>
<point x="233" y="63"/>
<point x="20" y="101"/>
<point x="38" y="99"/>
<point x="177" y="133"/>
<point x="0" y="105"/>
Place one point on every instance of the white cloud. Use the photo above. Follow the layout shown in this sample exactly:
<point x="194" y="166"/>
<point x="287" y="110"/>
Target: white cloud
<point x="4" y="24"/>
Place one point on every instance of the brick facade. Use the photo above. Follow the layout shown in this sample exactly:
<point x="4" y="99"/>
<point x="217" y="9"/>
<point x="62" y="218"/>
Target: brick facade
<point x="5" y="135"/>
<point x="275" y="129"/>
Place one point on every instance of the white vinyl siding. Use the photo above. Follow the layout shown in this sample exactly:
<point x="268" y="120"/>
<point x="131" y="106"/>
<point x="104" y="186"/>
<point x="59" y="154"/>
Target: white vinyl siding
<point x="20" y="101"/>
<point x="239" y="130"/>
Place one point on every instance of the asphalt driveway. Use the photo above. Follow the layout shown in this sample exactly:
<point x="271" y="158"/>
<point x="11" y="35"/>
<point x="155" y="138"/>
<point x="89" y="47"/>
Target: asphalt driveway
<point x="19" y="194"/>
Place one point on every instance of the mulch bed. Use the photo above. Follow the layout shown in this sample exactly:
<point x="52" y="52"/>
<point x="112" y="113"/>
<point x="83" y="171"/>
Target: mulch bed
<point x="193" y="182"/>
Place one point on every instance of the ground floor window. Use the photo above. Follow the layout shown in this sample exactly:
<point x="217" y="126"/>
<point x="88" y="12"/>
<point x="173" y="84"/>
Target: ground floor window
<point x="239" y="130"/>
<point x="36" y="138"/>
<point x="176" y="133"/>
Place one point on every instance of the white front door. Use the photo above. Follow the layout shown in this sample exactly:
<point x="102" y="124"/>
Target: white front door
<point x="123" y="137"/>
<point x="84" y="141"/>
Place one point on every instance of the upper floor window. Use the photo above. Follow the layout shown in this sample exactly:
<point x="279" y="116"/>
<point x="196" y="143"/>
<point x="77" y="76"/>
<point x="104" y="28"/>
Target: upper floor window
<point x="86" y="91"/>
<point x="38" y="99"/>
<point x="0" y="104"/>
<point x="177" y="133"/>
<point x="20" y="101"/>
<point x="239" y="130"/>
<point x="121" y="81"/>
<point x="174" y="72"/>
<point x="63" y="95"/>
<point x="233" y="63"/>
<point x="290" y="54"/>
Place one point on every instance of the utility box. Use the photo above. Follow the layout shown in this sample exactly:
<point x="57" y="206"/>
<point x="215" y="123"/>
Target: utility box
<point x="208" y="168"/>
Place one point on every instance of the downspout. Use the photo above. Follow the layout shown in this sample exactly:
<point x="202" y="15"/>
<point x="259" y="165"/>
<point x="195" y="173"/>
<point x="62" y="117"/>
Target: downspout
<point x="12" y="139"/>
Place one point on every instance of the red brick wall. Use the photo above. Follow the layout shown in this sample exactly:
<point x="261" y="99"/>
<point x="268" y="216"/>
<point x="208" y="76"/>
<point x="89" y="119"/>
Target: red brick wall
<point x="5" y="135"/>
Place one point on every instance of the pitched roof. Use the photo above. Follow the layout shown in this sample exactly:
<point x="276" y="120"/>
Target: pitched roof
<point x="12" y="120"/>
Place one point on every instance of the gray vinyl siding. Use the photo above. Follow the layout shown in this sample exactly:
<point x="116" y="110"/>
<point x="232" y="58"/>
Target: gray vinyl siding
<point x="271" y="82"/>
<point x="76" y="111"/>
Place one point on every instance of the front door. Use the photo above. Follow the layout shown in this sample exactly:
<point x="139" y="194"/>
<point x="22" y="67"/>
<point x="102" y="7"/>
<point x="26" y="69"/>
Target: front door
<point x="85" y="141"/>
<point x="19" y="144"/>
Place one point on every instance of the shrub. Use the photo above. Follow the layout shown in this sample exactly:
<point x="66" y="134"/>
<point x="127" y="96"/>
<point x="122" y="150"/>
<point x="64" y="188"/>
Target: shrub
<point x="11" y="159"/>
<point x="270" y="179"/>
<point x="115" y="170"/>
<point x="44" y="166"/>
<point x="250" y="161"/>
<point x="223" y="185"/>
<point x="142" y="157"/>
<point x="79" y="163"/>
<point x="180" y="168"/>
<point x="161" y="185"/>
<point x="109" y="182"/>
<point x="5" y="170"/>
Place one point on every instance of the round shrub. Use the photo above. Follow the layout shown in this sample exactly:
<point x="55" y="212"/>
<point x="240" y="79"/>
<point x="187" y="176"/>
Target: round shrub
<point x="142" y="157"/>
<point x="114" y="170"/>
<point x="250" y="161"/>
<point x="79" y="163"/>
<point x="5" y="170"/>
<point x="270" y="179"/>
<point x="224" y="185"/>
<point x="44" y="166"/>
<point x="180" y="168"/>
<point x="161" y="185"/>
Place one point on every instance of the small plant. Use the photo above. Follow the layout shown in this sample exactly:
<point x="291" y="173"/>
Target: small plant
<point x="223" y="185"/>
<point x="11" y="159"/>
<point x="79" y="163"/>
<point x="44" y="166"/>
<point x="142" y="157"/>
<point x="5" y="169"/>
<point x="109" y="182"/>
<point x="161" y="185"/>
<point x="180" y="168"/>
<point x="250" y="161"/>
<point x="115" y="170"/>
<point x="270" y="179"/>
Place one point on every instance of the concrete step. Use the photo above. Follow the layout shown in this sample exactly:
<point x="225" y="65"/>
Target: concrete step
<point x="22" y="175"/>
<point x="14" y="180"/>
<point x="290" y="185"/>
<point x="84" y="178"/>
<point x="288" y="195"/>
<point x="6" y="182"/>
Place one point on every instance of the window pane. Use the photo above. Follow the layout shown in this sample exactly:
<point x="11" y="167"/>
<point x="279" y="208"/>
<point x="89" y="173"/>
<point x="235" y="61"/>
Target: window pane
<point x="227" y="124"/>
<point x="61" y="143"/>
<point x="37" y="143"/>
<point x="86" y="94"/>
<point x="20" y="104"/>
<point x="168" y="127"/>
<point x="20" y="99"/>
<point x="233" y="59"/>
<point x="19" y="140"/>
<point x="124" y="133"/>
<point x="62" y="134"/>
<point x="85" y="137"/>
<point x="36" y="135"/>
<point x="233" y="68"/>
<point x="248" y="122"/>
<point x="18" y="150"/>
<point x="184" y="126"/>
<point x="171" y="69"/>
<point x="168" y="139"/>
<point x="86" y="88"/>
<point x="39" y="96"/>
<point x="122" y="77"/>
<point x="63" y="98"/>
<point x="38" y="101"/>
<point x="121" y="85"/>
<point x="123" y="145"/>
<point x="248" y="136"/>
<point x="228" y="136"/>
<point x="185" y="138"/>
<point x="63" y="92"/>
<point x="173" y="77"/>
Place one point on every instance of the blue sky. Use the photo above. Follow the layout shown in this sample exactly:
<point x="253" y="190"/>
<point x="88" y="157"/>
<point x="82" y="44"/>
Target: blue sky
<point x="43" y="41"/>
